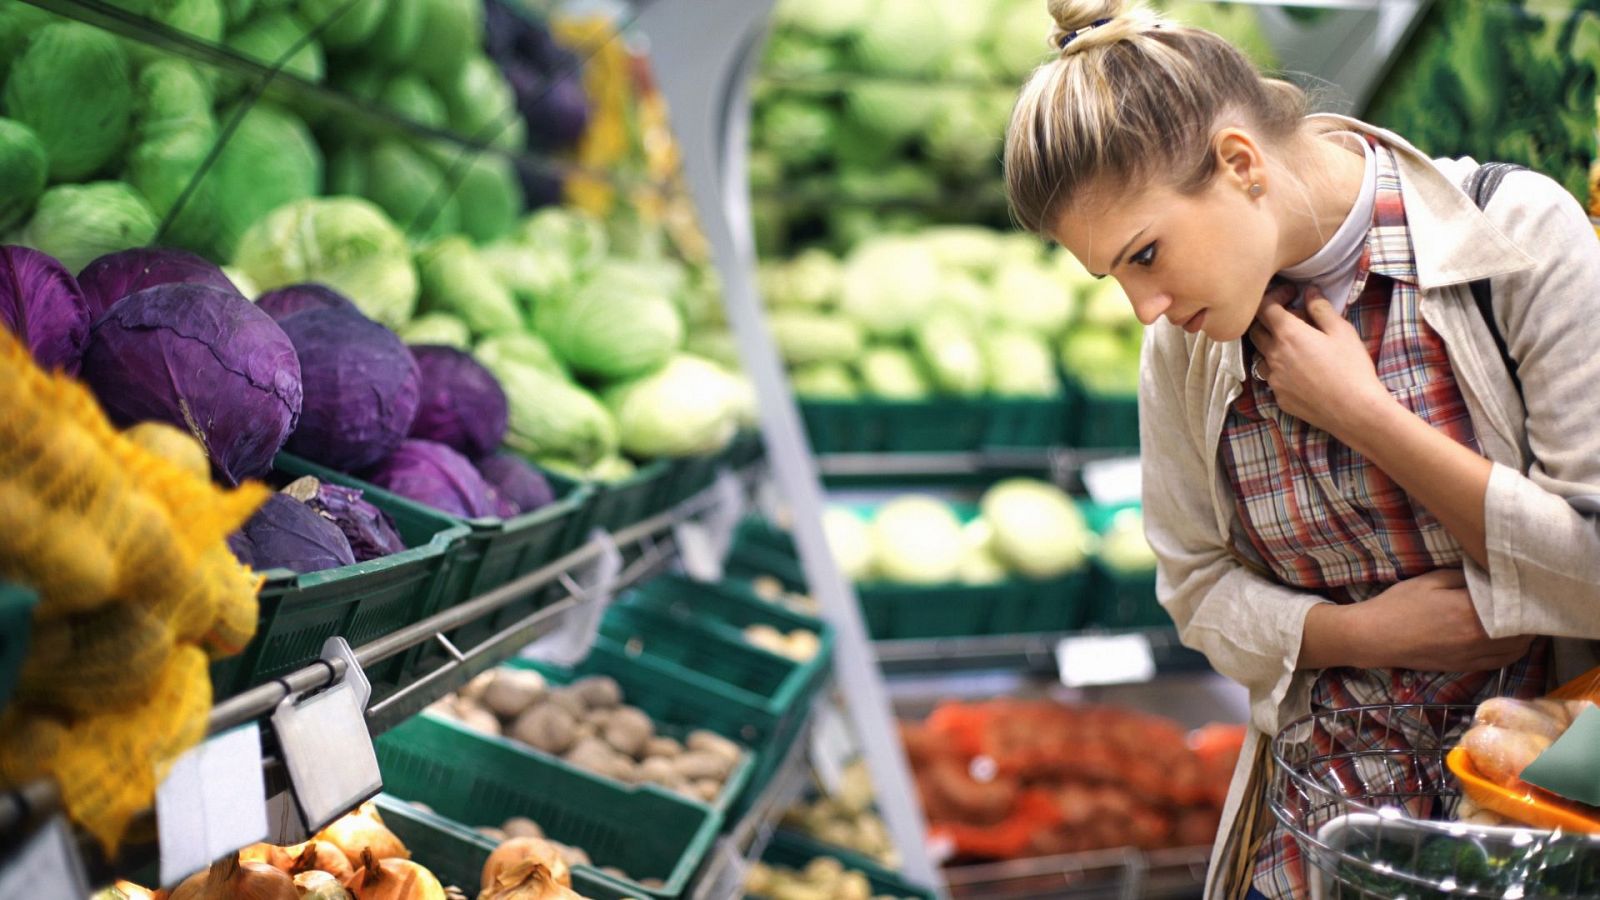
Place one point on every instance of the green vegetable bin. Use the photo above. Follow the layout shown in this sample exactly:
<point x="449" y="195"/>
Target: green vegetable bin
<point x="362" y="602"/>
<point x="688" y="476"/>
<point x="480" y="782"/>
<point x="727" y="608"/>
<point x="1120" y="599"/>
<point x="491" y="551"/>
<point x="941" y="425"/>
<point x="615" y="505"/>
<point x="762" y="549"/>
<point x="793" y="850"/>
<point x="1105" y="421"/>
<point x="762" y="691"/>
<point x="639" y="692"/>
<point x="16" y="624"/>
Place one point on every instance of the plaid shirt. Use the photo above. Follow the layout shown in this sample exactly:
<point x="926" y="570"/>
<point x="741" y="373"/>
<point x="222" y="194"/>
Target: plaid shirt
<point x="1320" y="517"/>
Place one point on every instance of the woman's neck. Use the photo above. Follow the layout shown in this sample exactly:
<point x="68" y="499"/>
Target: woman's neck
<point x="1331" y="174"/>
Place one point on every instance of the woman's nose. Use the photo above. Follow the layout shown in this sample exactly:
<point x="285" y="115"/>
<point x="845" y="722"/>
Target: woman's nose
<point x="1149" y="306"/>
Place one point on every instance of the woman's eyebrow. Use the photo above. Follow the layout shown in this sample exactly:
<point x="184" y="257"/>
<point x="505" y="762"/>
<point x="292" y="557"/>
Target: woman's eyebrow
<point x="1123" y="252"/>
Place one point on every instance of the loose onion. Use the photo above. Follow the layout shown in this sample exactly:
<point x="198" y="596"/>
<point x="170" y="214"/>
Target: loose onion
<point x="318" y="885"/>
<point x="274" y="856"/>
<point x="528" y="880"/>
<point x="230" y="879"/>
<point x="393" y="879"/>
<point x="357" y="833"/>
<point x="320" y="855"/>
<point x="512" y="853"/>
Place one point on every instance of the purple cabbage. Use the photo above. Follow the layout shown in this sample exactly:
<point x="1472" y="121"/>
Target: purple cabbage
<point x="298" y="298"/>
<point x="287" y="534"/>
<point x="369" y="529"/>
<point x="462" y="404"/>
<point x="361" y="389"/>
<point x="434" y="475"/>
<point x="203" y="360"/>
<point x="518" y="486"/>
<point x="116" y="275"/>
<point x="554" y="104"/>
<point x="41" y="303"/>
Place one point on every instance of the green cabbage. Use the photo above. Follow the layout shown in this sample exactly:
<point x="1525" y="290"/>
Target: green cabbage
<point x="489" y="198"/>
<point x="171" y="96"/>
<point x="949" y="348"/>
<point x="162" y="167"/>
<point x="917" y="540"/>
<point x="1017" y="37"/>
<point x="687" y="408"/>
<point x="892" y="373"/>
<point x="19" y="22"/>
<point x="1123" y="547"/>
<point x="455" y="281"/>
<point x="810" y="280"/>
<point x="410" y="187"/>
<point x="552" y="418"/>
<point x="850" y="540"/>
<point x="410" y="97"/>
<point x="1102" y="360"/>
<point x="904" y="37"/>
<point x="269" y="160"/>
<point x="1031" y="298"/>
<point x="717" y="345"/>
<point x="521" y="349"/>
<point x="799" y="130"/>
<point x="1037" y="530"/>
<point x="399" y="34"/>
<point x="531" y="273"/>
<point x="791" y="54"/>
<point x="970" y="248"/>
<point x="893" y="111"/>
<point x="890" y="284"/>
<point x="978" y="564"/>
<point x="343" y="242"/>
<point x="481" y="102"/>
<point x="349" y="22"/>
<point x="452" y="30"/>
<point x="24" y="168"/>
<point x="826" y="19"/>
<point x="437" y="328"/>
<point x="824" y="381"/>
<point x="610" y="470"/>
<point x="808" y="337"/>
<point x="200" y="19"/>
<point x="1020" y="365"/>
<point x="73" y="87"/>
<point x="1106" y="306"/>
<point x="276" y="39"/>
<point x="961" y="137"/>
<point x="611" y="326"/>
<point x="575" y="234"/>
<point x="80" y="223"/>
<point x="964" y="296"/>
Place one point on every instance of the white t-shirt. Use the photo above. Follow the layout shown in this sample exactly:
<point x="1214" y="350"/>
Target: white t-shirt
<point x="1333" y="268"/>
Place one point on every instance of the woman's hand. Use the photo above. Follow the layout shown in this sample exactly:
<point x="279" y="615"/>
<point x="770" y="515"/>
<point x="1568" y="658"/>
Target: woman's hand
<point x="1427" y="623"/>
<point x="1317" y="366"/>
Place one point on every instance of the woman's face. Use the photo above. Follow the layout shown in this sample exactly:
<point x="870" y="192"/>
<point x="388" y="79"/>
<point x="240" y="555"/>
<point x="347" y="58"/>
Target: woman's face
<point x="1202" y="260"/>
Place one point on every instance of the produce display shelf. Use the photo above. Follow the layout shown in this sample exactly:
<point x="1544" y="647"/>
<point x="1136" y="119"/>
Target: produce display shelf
<point x="32" y="802"/>
<point x="1023" y="652"/>
<point x="16" y="624"/>
<point x="1124" y="874"/>
<point x="793" y="850"/>
<point x="944" y="424"/>
<point x="311" y="98"/>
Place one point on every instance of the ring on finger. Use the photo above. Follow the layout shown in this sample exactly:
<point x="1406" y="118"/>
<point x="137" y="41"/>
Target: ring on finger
<point x="1256" y="370"/>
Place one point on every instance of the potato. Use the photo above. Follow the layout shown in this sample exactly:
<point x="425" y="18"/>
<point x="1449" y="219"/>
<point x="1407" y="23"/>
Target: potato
<point x="824" y="870"/>
<point x="654" y="884"/>
<point x="477" y="718"/>
<point x="599" y="691"/>
<point x="546" y="727"/>
<point x="522" y="826"/>
<point x="758" y="879"/>
<point x="493" y="833"/>
<point x="854" y="886"/>
<point x="513" y="691"/>
<point x="473" y="690"/>
<point x="570" y="700"/>
<point x="627" y="729"/>
<point x="802" y="645"/>
<point x="585" y="729"/>
<point x="700" y="764"/>
<point x="615" y="872"/>
<point x="662" y="746"/>
<point x="707" y="789"/>
<point x="658" y="770"/>
<point x="592" y="754"/>
<point x="574" y="856"/>
<point x="766" y="637"/>
<point x="711" y="742"/>
<point x="767" y="588"/>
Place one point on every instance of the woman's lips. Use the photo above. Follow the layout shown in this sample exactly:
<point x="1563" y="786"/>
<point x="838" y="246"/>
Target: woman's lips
<point x="1194" y="322"/>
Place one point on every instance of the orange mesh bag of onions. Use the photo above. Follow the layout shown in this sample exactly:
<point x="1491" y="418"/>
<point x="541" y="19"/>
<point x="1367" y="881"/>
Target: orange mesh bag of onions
<point x="125" y="548"/>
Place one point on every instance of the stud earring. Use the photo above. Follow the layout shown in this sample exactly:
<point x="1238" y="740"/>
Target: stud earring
<point x="1255" y="190"/>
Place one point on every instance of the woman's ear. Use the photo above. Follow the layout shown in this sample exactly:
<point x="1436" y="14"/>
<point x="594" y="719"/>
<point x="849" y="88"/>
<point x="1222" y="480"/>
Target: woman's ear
<point x="1240" y="160"/>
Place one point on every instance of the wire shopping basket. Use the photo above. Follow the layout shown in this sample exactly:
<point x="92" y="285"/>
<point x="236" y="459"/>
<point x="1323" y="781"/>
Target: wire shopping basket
<point x="1367" y="796"/>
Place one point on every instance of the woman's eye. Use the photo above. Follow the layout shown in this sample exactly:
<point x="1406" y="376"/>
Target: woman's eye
<point x="1145" y="257"/>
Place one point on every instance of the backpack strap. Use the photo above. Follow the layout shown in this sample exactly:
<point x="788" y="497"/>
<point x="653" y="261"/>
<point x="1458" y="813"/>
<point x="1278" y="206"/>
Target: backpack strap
<point x="1480" y="186"/>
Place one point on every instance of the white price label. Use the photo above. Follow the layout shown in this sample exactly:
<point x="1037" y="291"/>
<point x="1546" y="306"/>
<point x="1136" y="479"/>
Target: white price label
<point x="569" y="642"/>
<point x="1113" y="481"/>
<point x="697" y="552"/>
<point x="328" y="752"/>
<point x="832" y="748"/>
<point x="1105" y="659"/>
<point x="47" y="866"/>
<point x="214" y="801"/>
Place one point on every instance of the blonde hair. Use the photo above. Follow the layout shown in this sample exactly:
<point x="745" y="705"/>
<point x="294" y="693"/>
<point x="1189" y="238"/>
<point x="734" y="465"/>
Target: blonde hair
<point x="1131" y="97"/>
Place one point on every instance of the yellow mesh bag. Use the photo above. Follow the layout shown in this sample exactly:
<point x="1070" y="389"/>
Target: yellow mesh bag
<point x="95" y="662"/>
<point x="32" y="740"/>
<point x="110" y="765"/>
<point x="65" y="557"/>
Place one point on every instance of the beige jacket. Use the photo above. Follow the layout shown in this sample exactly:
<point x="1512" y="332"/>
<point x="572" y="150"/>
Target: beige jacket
<point x="1543" y="502"/>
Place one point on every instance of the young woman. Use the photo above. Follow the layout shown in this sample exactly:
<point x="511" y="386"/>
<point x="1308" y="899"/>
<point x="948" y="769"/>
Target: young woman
<point x="1351" y="499"/>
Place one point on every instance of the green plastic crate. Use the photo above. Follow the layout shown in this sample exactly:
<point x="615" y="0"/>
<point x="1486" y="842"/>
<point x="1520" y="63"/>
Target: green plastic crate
<point x="761" y="548"/>
<point x="491" y="552"/>
<point x="793" y="851"/>
<point x="1105" y="422"/>
<point x="477" y="781"/>
<point x="727" y="608"/>
<point x="16" y="624"/>
<point x="747" y="447"/>
<point x="361" y="603"/>
<point x="689" y="476"/>
<point x="642" y="695"/>
<point x="645" y="493"/>
<point x="1122" y="599"/>
<point x="1028" y="423"/>
<point x="938" y="425"/>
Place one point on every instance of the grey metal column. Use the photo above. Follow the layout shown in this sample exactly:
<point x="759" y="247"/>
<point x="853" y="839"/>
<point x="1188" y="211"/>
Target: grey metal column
<point x="703" y="53"/>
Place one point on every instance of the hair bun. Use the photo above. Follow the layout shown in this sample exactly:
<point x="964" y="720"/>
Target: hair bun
<point x="1074" y="15"/>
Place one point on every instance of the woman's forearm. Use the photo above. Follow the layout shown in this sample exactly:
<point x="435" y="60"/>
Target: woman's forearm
<point x="1449" y="479"/>
<point x="1330" y="639"/>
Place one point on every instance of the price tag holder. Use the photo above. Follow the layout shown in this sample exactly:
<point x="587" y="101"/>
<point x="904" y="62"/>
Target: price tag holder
<point x="832" y="748"/>
<point x="697" y="551"/>
<point x="325" y="743"/>
<point x="284" y="825"/>
<point x="1113" y="481"/>
<point x="46" y="867"/>
<point x="569" y="642"/>
<point x="1088" y="660"/>
<point x="213" y="801"/>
